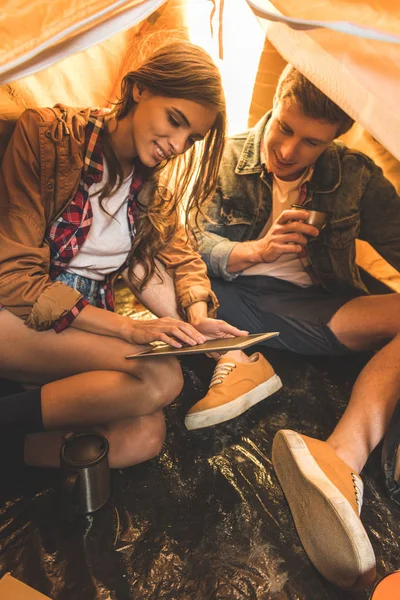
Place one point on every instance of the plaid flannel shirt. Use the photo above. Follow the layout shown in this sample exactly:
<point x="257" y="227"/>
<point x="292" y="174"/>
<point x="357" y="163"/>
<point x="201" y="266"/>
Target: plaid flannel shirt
<point x="68" y="233"/>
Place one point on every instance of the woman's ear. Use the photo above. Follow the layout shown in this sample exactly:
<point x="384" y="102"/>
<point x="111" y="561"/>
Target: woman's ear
<point x="137" y="91"/>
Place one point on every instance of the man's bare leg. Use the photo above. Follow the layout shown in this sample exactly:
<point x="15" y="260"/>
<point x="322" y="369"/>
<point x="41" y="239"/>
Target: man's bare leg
<point x="320" y="479"/>
<point x="362" y="324"/>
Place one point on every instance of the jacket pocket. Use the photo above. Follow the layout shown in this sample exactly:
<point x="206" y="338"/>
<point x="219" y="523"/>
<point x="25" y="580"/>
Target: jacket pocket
<point x="341" y="233"/>
<point x="235" y="217"/>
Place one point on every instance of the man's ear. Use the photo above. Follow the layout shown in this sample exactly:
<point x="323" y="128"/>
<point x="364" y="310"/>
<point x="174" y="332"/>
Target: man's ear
<point x="137" y="91"/>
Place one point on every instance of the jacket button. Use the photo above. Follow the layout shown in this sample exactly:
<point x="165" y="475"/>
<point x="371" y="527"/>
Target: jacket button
<point x="48" y="133"/>
<point x="50" y="184"/>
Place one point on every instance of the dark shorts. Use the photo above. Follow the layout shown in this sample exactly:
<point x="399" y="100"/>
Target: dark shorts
<point x="260" y="304"/>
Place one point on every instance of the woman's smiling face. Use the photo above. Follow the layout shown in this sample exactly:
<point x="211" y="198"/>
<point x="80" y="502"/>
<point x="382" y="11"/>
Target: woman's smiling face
<point x="163" y="127"/>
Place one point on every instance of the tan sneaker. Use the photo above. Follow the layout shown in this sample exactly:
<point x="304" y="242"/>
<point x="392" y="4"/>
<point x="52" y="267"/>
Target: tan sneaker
<point x="325" y="498"/>
<point x="234" y="388"/>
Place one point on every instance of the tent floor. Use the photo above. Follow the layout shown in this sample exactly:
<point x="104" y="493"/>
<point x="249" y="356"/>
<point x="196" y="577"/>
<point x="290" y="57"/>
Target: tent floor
<point x="206" y="520"/>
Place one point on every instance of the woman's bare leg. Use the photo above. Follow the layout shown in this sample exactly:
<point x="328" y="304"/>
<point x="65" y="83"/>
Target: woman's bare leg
<point x="99" y="397"/>
<point x="131" y="442"/>
<point x="99" y="388"/>
<point x="40" y="357"/>
<point x="87" y="401"/>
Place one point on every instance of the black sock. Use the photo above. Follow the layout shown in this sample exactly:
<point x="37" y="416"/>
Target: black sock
<point x="20" y="414"/>
<point x="23" y="411"/>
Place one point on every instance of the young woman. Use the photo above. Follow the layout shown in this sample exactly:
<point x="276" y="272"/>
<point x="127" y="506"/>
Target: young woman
<point x="83" y="197"/>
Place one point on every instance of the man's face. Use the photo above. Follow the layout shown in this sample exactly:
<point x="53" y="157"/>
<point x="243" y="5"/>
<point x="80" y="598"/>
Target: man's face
<point x="294" y="141"/>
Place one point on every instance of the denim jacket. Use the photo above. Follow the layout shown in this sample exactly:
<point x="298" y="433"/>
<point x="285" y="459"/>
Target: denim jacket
<point x="348" y="185"/>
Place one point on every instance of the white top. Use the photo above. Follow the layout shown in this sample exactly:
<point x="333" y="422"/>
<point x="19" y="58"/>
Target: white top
<point x="108" y="242"/>
<point x="287" y="266"/>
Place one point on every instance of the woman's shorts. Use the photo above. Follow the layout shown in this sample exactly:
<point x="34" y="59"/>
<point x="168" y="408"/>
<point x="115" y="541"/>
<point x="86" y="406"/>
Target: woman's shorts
<point x="89" y="288"/>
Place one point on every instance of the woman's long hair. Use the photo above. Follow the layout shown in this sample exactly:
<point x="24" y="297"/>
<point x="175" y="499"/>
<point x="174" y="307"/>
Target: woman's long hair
<point x="182" y="184"/>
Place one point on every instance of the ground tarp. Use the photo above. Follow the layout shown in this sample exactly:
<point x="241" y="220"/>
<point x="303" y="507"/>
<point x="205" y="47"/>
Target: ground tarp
<point x="206" y="520"/>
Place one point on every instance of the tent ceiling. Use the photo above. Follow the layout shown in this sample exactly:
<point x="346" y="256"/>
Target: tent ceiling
<point x="361" y="74"/>
<point x="36" y="34"/>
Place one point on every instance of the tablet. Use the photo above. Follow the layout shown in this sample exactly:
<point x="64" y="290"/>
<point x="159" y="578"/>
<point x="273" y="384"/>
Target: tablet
<point x="221" y="344"/>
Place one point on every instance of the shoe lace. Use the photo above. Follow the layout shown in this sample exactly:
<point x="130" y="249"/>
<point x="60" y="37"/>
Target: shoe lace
<point x="358" y="490"/>
<point x="221" y="372"/>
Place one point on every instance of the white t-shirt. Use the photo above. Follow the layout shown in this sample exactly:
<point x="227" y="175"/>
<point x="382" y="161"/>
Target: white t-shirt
<point x="287" y="266"/>
<point x="107" y="245"/>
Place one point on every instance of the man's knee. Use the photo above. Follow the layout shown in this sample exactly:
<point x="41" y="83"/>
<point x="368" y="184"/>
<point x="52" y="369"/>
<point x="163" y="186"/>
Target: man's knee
<point x="367" y="322"/>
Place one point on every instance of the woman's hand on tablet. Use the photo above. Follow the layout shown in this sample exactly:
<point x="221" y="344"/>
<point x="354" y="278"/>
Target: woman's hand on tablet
<point x="216" y="328"/>
<point x="171" y="331"/>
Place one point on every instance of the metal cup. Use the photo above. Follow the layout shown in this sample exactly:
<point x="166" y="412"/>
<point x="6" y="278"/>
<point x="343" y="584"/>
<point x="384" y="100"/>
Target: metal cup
<point x="316" y="218"/>
<point x="84" y="463"/>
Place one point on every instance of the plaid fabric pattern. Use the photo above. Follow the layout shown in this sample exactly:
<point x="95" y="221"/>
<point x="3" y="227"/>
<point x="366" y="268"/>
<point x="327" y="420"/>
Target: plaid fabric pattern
<point x="303" y="194"/>
<point x="67" y="319"/>
<point x="68" y="233"/>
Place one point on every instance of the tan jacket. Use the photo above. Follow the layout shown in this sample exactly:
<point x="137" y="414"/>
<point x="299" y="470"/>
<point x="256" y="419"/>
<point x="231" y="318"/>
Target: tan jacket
<point x="39" y="176"/>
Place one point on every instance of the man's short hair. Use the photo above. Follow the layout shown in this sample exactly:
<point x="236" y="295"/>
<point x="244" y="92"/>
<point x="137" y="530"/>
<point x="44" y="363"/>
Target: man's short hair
<point x="293" y="86"/>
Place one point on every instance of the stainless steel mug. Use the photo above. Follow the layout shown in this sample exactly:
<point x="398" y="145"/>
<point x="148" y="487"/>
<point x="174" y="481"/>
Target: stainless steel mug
<point x="86" y="472"/>
<point x="316" y="218"/>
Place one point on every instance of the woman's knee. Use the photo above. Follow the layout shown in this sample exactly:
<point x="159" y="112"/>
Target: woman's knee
<point x="163" y="381"/>
<point x="155" y="435"/>
<point x="131" y="445"/>
<point x="153" y="385"/>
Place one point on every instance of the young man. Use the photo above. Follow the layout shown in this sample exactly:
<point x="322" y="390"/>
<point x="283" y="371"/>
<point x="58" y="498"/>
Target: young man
<point x="272" y="271"/>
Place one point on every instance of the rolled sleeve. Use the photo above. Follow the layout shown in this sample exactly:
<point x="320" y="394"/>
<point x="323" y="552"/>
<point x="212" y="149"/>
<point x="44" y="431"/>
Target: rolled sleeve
<point x="66" y="320"/>
<point x="219" y="257"/>
<point x="199" y="293"/>
<point x="55" y="303"/>
<point x="188" y="272"/>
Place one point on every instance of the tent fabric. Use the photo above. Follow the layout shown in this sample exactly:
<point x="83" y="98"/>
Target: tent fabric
<point x="88" y="78"/>
<point x="207" y="518"/>
<point x="362" y="75"/>
<point x="50" y="31"/>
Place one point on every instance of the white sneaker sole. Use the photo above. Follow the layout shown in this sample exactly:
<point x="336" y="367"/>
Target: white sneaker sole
<point x="330" y="531"/>
<point x="230" y="410"/>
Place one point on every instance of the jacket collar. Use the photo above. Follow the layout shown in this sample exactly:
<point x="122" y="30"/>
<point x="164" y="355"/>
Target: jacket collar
<point x="86" y="127"/>
<point x="327" y="172"/>
<point x="93" y="162"/>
